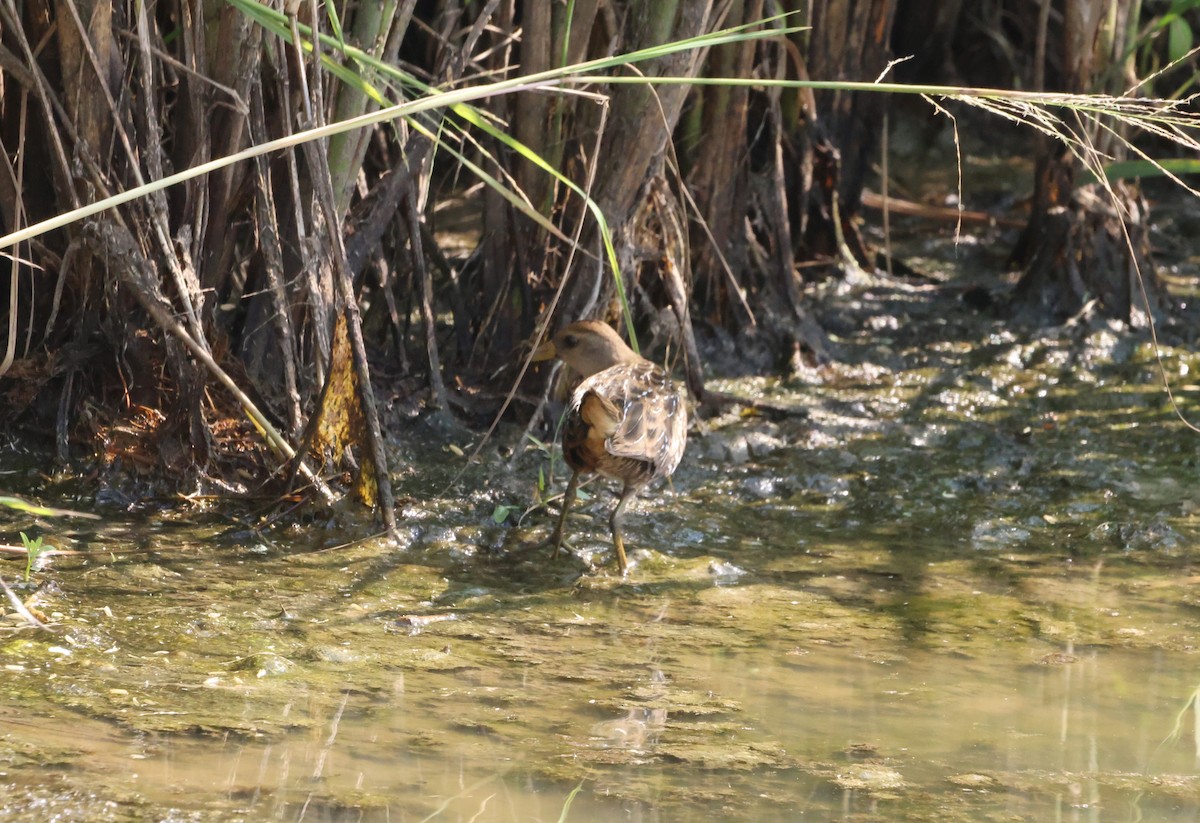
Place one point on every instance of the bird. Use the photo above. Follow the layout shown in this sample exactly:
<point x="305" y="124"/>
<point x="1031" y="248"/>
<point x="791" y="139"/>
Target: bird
<point x="626" y="420"/>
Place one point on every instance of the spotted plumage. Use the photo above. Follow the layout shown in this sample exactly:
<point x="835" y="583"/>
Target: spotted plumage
<point x="626" y="420"/>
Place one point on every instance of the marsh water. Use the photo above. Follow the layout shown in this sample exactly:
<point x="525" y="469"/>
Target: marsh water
<point x="962" y="586"/>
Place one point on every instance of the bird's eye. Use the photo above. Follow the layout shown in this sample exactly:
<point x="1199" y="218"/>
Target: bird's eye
<point x="570" y="341"/>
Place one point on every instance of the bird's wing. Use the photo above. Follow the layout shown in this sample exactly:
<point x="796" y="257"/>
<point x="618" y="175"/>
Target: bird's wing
<point x="639" y="411"/>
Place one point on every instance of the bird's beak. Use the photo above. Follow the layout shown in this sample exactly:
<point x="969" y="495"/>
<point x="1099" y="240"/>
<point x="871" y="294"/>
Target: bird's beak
<point x="546" y="351"/>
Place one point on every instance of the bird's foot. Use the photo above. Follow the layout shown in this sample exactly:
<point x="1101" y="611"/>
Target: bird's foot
<point x="556" y="542"/>
<point x="619" y="548"/>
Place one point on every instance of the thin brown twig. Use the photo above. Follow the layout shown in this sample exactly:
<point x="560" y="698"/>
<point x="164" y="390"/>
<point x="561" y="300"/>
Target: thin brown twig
<point x="547" y="316"/>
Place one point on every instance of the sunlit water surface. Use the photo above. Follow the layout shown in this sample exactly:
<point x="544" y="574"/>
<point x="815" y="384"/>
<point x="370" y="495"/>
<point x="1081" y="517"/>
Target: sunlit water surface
<point x="823" y="686"/>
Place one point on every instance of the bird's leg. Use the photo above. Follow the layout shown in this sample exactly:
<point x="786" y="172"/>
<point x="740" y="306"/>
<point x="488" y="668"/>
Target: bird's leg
<point x="568" y="499"/>
<point x="614" y="523"/>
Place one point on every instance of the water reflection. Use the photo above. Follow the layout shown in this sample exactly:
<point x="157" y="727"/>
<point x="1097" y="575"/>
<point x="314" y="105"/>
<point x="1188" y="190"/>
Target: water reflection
<point x="656" y="724"/>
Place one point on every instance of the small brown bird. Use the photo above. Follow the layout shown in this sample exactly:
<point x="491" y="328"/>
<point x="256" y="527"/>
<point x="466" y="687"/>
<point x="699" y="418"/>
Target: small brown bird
<point x="626" y="419"/>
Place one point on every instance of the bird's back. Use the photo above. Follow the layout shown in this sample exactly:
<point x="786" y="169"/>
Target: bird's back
<point x="628" y="422"/>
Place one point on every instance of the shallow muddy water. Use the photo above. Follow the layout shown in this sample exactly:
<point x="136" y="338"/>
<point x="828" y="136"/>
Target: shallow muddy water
<point x="964" y="587"/>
